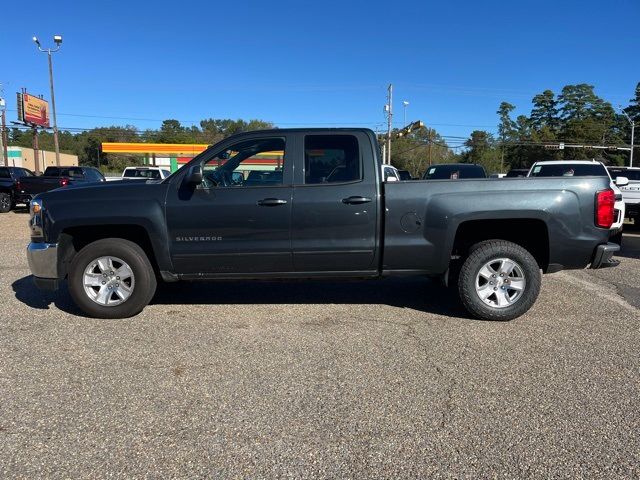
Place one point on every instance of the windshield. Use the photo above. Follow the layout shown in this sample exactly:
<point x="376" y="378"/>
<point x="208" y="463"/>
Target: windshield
<point x="141" y="173"/>
<point x="569" y="170"/>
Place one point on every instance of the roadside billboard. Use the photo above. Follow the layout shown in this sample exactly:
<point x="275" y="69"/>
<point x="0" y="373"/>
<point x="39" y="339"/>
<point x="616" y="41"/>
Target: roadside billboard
<point x="33" y="110"/>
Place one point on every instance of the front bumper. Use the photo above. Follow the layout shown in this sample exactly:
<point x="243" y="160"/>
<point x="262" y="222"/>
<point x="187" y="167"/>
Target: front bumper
<point x="43" y="259"/>
<point x="603" y="256"/>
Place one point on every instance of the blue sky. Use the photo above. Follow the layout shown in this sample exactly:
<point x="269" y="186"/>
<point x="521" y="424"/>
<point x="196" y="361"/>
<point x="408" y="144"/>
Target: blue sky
<point x="316" y="63"/>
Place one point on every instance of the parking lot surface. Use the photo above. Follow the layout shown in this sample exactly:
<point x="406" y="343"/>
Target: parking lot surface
<point x="320" y="379"/>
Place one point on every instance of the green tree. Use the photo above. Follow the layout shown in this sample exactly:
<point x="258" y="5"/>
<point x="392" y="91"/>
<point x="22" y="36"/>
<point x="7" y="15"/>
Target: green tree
<point x="633" y="110"/>
<point x="416" y="151"/>
<point x="545" y="111"/>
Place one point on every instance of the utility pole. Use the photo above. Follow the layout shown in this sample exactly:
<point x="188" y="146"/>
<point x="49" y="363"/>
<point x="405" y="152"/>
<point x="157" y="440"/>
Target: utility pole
<point x="58" y="40"/>
<point x="3" y="137"/>
<point x="36" y="154"/>
<point x="389" y="121"/>
<point x="3" y="131"/>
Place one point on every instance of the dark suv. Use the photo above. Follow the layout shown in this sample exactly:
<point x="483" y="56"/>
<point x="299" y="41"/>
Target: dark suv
<point x="10" y="187"/>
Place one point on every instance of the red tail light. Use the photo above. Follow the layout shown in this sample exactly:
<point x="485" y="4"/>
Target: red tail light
<point x="605" y="200"/>
<point x="18" y="186"/>
<point x="64" y="182"/>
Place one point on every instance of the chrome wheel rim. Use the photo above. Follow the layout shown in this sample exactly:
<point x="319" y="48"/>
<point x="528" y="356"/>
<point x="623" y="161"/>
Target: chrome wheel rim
<point x="108" y="281"/>
<point x="5" y="201"/>
<point x="500" y="282"/>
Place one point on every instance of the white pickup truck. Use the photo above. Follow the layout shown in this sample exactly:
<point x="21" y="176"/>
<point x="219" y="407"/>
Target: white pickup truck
<point x="631" y="191"/>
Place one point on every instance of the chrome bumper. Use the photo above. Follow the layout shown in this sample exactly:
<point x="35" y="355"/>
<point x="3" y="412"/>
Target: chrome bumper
<point x="43" y="259"/>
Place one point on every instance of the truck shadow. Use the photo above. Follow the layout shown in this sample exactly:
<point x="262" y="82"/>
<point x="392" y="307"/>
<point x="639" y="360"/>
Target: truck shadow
<point x="414" y="293"/>
<point x="418" y="294"/>
<point x="630" y="243"/>
<point x="27" y="293"/>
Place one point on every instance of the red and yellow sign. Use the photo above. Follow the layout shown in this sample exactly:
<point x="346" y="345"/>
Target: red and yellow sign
<point x="35" y="110"/>
<point x="157" y="148"/>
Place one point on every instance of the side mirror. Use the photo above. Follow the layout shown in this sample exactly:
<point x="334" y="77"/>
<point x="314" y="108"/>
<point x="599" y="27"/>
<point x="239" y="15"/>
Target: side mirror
<point x="621" y="181"/>
<point x="194" y="177"/>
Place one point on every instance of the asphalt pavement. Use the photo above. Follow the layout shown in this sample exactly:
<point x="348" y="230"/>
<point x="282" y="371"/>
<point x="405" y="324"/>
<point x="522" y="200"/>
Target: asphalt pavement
<point x="386" y="379"/>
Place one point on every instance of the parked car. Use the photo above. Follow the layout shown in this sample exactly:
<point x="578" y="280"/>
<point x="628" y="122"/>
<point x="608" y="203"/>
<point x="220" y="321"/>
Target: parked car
<point x="10" y="188"/>
<point x="630" y="192"/>
<point x="322" y="212"/>
<point x="148" y="173"/>
<point x="517" y="172"/>
<point x="497" y="175"/>
<point x="56" y="177"/>
<point x="454" y="171"/>
<point x="584" y="168"/>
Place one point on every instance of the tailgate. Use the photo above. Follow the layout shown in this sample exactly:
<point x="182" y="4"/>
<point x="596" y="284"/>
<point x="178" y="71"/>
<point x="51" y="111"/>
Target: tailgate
<point x="35" y="185"/>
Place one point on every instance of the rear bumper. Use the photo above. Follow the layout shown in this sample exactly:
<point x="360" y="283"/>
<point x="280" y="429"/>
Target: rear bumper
<point x="43" y="260"/>
<point x="23" y="198"/>
<point x="603" y="256"/>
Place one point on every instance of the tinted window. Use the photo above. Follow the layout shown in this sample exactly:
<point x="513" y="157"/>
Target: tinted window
<point x="454" y="172"/>
<point x="4" y="173"/>
<point x="93" y="175"/>
<point x="517" y="173"/>
<point x="404" y="175"/>
<point x="251" y="163"/>
<point x="569" y="170"/>
<point x="632" y="175"/>
<point x="63" y="172"/>
<point x="331" y="159"/>
<point x="26" y="173"/>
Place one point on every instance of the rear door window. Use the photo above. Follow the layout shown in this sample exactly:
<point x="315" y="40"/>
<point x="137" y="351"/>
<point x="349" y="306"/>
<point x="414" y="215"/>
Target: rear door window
<point x="331" y="159"/>
<point x="4" y="173"/>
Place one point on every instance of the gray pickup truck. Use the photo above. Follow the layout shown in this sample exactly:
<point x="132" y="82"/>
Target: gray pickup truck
<point x="311" y="203"/>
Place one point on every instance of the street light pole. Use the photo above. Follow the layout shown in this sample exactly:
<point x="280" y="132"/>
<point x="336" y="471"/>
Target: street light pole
<point x="58" y="40"/>
<point x="3" y="129"/>
<point x="405" y="104"/>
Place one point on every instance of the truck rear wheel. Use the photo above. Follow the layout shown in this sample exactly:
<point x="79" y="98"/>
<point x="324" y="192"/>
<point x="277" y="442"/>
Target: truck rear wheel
<point x="5" y="202"/>
<point x="111" y="278"/>
<point x="499" y="280"/>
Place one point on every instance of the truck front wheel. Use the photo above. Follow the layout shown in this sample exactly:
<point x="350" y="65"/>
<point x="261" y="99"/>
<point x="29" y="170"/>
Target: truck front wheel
<point x="111" y="278"/>
<point x="499" y="280"/>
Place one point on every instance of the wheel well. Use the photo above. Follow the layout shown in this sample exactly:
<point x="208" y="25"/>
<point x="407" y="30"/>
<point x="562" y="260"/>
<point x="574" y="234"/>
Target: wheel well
<point x="75" y="238"/>
<point x="531" y="234"/>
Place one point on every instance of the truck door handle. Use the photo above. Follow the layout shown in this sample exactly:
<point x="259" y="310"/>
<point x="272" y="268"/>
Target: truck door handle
<point x="356" y="200"/>
<point x="271" y="202"/>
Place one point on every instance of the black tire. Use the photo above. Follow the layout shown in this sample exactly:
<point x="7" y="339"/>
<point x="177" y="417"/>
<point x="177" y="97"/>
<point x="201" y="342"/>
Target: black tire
<point x="480" y="255"/>
<point x="5" y="202"/>
<point x="137" y="260"/>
